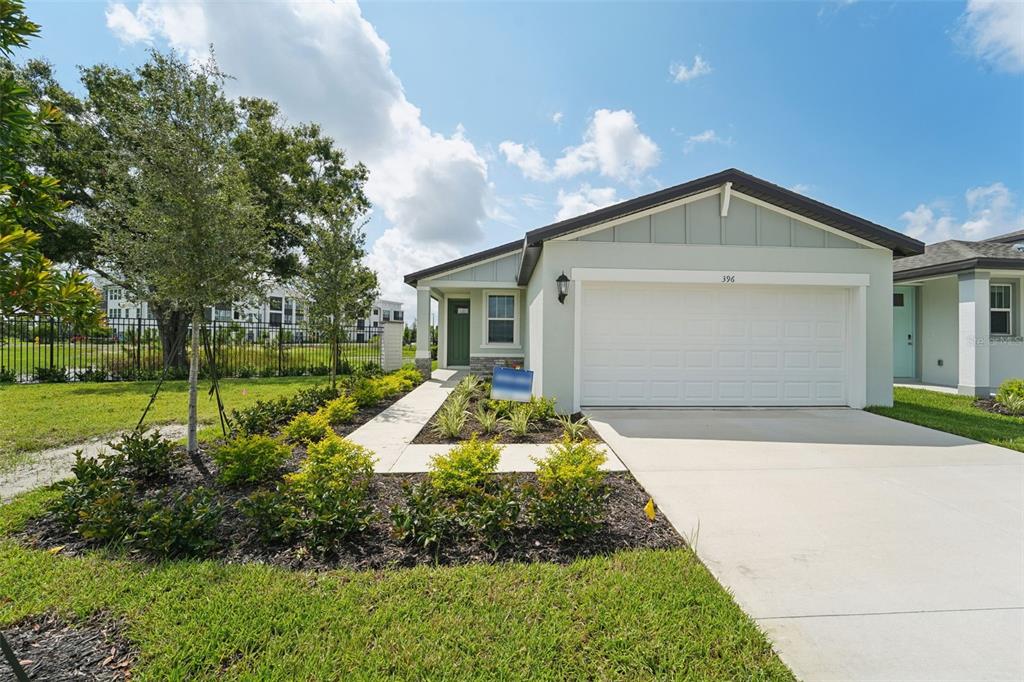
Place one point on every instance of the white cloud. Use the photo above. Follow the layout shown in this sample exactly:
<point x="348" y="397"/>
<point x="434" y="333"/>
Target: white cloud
<point x="707" y="137"/>
<point x="682" y="73"/>
<point x="394" y="255"/>
<point x="992" y="210"/>
<point x="612" y="145"/>
<point x="584" y="200"/>
<point x="126" y="26"/>
<point x="801" y="188"/>
<point x="324" y="61"/>
<point x="526" y="159"/>
<point x="994" y="32"/>
<point x="557" y="117"/>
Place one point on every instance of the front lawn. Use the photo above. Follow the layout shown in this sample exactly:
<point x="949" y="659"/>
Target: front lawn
<point x="634" y="614"/>
<point x="40" y="416"/>
<point x="954" y="414"/>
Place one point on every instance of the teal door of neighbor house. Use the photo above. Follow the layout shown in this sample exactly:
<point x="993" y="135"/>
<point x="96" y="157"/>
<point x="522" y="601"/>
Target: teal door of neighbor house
<point x="458" y="332"/>
<point x="904" y="332"/>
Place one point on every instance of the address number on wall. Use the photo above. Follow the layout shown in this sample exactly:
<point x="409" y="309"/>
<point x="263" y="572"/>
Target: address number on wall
<point x="729" y="279"/>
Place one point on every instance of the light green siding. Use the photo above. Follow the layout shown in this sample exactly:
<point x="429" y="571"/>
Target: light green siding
<point x="504" y="269"/>
<point x="701" y="222"/>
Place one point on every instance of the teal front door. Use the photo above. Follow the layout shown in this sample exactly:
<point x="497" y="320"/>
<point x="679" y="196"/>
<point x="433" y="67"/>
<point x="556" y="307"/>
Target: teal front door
<point x="904" y="333"/>
<point x="458" y="332"/>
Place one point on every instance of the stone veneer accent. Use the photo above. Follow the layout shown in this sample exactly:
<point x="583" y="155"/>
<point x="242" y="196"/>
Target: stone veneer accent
<point x="423" y="365"/>
<point x="485" y="366"/>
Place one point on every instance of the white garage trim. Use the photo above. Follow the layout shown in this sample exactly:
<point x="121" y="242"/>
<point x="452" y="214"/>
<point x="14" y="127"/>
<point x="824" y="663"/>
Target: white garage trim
<point x="856" y="283"/>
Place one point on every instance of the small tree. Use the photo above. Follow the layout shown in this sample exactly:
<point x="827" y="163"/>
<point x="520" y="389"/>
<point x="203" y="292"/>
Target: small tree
<point x="195" y="237"/>
<point x="338" y="287"/>
<point x="30" y="201"/>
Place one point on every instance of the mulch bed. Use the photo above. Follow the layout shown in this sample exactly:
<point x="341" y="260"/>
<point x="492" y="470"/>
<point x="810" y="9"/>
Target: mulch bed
<point x="544" y="432"/>
<point x="625" y="526"/>
<point x="50" y="648"/>
<point x="990" y="405"/>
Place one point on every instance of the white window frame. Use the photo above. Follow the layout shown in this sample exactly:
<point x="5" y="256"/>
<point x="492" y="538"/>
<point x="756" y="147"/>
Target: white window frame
<point x="514" y="293"/>
<point x="1008" y="309"/>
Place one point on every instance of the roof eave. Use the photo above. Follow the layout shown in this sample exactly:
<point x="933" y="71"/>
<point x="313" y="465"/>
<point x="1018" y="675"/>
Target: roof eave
<point x="959" y="266"/>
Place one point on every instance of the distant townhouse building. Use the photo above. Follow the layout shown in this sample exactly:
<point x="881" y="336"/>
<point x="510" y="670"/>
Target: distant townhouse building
<point x="282" y="306"/>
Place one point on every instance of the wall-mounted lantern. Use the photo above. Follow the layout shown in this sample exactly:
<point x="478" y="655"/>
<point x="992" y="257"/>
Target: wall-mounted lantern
<point x="563" y="287"/>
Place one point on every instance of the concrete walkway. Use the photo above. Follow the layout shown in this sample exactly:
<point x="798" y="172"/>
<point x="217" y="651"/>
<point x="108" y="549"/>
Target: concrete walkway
<point x="866" y="548"/>
<point x="49" y="466"/>
<point x="390" y="433"/>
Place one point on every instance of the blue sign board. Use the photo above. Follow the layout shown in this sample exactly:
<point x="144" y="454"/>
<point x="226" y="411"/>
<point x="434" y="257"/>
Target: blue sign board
<point x="512" y="384"/>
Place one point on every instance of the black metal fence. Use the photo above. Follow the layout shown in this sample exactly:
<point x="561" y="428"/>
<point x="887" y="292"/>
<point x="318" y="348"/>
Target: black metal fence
<point x="34" y="349"/>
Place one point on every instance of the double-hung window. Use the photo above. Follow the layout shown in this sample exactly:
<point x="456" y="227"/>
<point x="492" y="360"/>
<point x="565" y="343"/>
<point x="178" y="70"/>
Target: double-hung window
<point x="501" y="319"/>
<point x="1000" y="305"/>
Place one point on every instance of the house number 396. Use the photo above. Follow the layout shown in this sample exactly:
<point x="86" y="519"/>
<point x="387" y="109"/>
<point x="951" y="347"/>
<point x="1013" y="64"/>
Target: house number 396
<point x="729" y="279"/>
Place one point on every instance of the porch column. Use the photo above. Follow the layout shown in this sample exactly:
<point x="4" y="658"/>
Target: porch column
<point x="423" y="330"/>
<point x="974" y="334"/>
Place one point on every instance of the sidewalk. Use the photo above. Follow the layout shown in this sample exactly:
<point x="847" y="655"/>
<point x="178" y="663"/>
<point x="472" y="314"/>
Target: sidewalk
<point x="390" y="433"/>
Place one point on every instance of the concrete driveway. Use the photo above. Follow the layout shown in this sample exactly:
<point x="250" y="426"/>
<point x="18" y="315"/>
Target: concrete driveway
<point x="866" y="548"/>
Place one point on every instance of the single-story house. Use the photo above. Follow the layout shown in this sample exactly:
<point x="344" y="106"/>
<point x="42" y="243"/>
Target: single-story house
<point x="958" y="314"/>
<point x="726" y="290"/>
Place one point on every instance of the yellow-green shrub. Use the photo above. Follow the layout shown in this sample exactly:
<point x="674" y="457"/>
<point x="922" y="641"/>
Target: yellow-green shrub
<point x="306" y="427"/>
<point x="465" y="467"/>
<point x="340" y="410"/>
<point x="249" y="459"/>
<point x="570" y="495"/>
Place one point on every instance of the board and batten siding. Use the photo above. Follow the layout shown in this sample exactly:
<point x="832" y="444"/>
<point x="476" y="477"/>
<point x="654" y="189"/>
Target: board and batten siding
<point x="504" y="269"/>
<point x="701" y="222"/>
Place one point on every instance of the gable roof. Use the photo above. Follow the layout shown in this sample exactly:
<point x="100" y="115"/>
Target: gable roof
<point x="900" y="244"/>
<point x="1008" y="238"/>
<point x="956" y="256"/>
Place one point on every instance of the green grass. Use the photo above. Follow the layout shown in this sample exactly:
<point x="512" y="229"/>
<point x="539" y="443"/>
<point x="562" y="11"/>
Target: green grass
<point x="954" y="414"/>
<point x="633" y="615"/>
<point x="40" y="416"/>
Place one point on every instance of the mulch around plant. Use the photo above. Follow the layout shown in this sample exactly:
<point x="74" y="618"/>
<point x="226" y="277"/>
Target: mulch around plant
<point x="544" y="432"/>
<point x="990" y="405"/>
<point x="624" y="526"/>
<point x="51" y="648"/>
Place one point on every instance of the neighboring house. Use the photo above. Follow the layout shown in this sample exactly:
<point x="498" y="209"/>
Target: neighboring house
<point x="958" y="314"/>
<point x="727" y="290"/>
<point x="282" y="306"/>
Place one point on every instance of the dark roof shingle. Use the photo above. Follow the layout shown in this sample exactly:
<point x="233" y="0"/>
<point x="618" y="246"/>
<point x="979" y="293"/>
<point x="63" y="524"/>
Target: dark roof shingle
<point x="955" y="256"/>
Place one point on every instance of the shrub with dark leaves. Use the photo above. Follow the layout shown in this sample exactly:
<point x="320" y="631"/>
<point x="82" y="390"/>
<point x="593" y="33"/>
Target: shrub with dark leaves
<point x="181" y="527"/>
<point x="273" y="514"/>
<point x="144" y="458"/>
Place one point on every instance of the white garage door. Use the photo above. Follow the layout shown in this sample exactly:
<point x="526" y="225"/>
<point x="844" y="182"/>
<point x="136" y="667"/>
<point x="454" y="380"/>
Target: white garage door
<point x="693" y="345"/>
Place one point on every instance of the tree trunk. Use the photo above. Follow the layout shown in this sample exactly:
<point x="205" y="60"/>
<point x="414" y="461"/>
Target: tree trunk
<point x="334" y="357"/>
<point x="193" y="383"/>
<point x="173" y="328"/>
<point x="193" y="396"/>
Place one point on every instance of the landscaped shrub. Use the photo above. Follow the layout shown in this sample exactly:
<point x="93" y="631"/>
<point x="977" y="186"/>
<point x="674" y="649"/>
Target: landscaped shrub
<point x="340" y="411"/>
<point x="185" y="526"/>
<point x="263" y="416"/>
<point x="306" y="427"/>
<point x="249" y="459"/>
<point x="540" y="408"/>
<point x="1011" y="396"/>
<point x="451" y="417"/>
<point x="273" y="514"/>
<point x="144" y="458"/>
<point x="574" y="430"/>
<point x="488" y="419"/>
<point x="466" y="467"/>
<point x="570" y="496"/>
<point x="332" y="487"/>
<point x="461" y="497"/>
<point x="366" y="393"/>
<point x="7" y="376"/>
<point x="520" y="420"/>
<point x="311" y="399"/>
<point x="97" y="503"/>
<point x="50" y="375"/>
<point x="108" y="516"/>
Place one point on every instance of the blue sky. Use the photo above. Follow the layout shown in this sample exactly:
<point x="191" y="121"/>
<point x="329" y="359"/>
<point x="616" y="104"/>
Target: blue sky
<point x="482" y="120"/>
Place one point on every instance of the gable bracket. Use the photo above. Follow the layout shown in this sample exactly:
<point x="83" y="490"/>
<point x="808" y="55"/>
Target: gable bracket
<point x="726" y="196"/>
